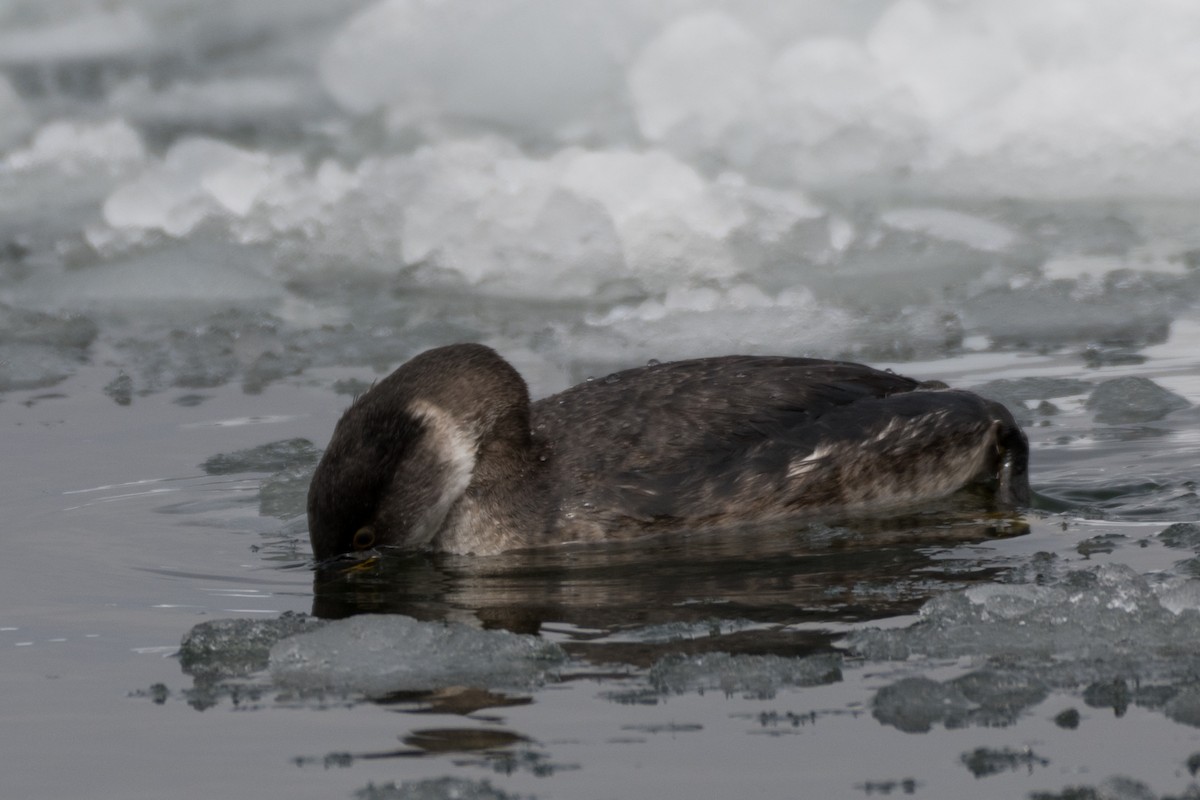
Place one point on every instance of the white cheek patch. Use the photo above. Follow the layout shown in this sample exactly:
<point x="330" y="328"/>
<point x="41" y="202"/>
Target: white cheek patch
<point x="455" y="449"/>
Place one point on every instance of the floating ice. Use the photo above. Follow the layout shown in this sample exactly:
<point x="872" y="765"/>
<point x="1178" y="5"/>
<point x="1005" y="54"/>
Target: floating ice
<point x="697" y="79"/>
<point x="759" y="676"/>
<point x="377" y="654"/>
<point x="1018" y="394"/>
<point x="38" y="349"/>
<point x="435" y="789"/>
<point x="32" y="366"/>
<point x="985" y="698"/>
<point x="65" y="331"/>
<point x="283" y="495"/>
<point x="197" y="178"/>
<point x="225" y="648"/>
<point x="1104" y="629"/>
<point x="1133" y="399"/>
<point x="120" y="389"/>
<point x="268" y="457"/>
<point x="1113" y="613"/>
<point x="1059" y="312"/>
<point x="506" y="223"/>
<point x="672" y="225"/>
<point x="1183" y="535"/>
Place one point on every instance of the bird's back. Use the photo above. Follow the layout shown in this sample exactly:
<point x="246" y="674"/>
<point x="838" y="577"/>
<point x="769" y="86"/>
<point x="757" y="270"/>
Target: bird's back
<point x="738" y="438"/>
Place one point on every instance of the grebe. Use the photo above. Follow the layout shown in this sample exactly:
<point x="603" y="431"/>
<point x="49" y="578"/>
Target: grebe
<point x="449" y="453"/>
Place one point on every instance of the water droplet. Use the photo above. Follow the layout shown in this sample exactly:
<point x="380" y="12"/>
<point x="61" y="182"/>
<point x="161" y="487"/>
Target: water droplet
<point x="590" y="378"/>
<point x="570" y="515"/>
<point x="740" y="375"/>
<point x="654" y="362"/>
<point x="612" y="378"/>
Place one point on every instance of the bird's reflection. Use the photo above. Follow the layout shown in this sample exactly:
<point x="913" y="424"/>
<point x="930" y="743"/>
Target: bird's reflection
<point x="630" y="602"/>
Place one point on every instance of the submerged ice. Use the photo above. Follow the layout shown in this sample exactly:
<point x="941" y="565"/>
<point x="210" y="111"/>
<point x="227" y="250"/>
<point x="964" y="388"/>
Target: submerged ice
<point x="1107" y="633"/>
<point x="371" y="655"/>
<point x="377" y="655"/>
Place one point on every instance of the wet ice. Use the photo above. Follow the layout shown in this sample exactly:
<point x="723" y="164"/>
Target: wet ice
<point x="1105" y="631"/>
<point x="376" y="655"/>
<point x="1133" y="399"/>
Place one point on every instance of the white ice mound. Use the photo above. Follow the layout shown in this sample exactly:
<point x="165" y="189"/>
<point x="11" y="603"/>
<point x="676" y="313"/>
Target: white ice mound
<point x="198" y="178"/>
<point x="74" y="147"/>
<point x="534" y="65"/>
<point x="378" y="654"/>
<point x="698" y="78"/>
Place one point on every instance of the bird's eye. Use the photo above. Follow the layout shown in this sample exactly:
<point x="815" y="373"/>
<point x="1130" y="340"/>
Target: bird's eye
<point x="363" y="538"/>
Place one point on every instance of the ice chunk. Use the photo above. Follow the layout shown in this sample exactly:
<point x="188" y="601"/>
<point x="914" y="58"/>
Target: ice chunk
<point x="67" y="331"/>
<point x="377" y="654"/>
<point x="759" y="676"/>
<point x="39" y="349"/>
<point x="1182" y="535"/>
<point x="72" y="147"/>
<point x="697" y="79"/>
<point x="985" y="697"/>
<point x="177" y="282"/>
<point x="1057" y="312"/>
<point x="233" y="647"/>
<point x="198" y="177"/>
<point x="1016" y="394"/>
<point x="948" y="61"/>
<point x="672" y="225"/>
<point x="1105" y="628"/>
<point x="1133" y="399"/>
<point x="535" y="66"/>
<point x="703" y="321"/>
<point x="829" y="113"/>
<point x="120" y="389"/>
<point x="34" y="366"/>
<point x="1018" y="619"/>
<point x="435" y="789"/>
<point x="1181" y="595"/>
<point x="283" y="495"/>
<point x="264" y="458"/>
<point x="504" y="223"/>
<point x="209" y="353"/>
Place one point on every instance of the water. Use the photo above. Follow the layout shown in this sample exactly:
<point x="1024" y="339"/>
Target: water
<point x="219" y="223"/>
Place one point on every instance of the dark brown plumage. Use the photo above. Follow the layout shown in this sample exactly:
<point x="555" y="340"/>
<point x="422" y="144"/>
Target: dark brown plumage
<point x="448" y="452"/>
